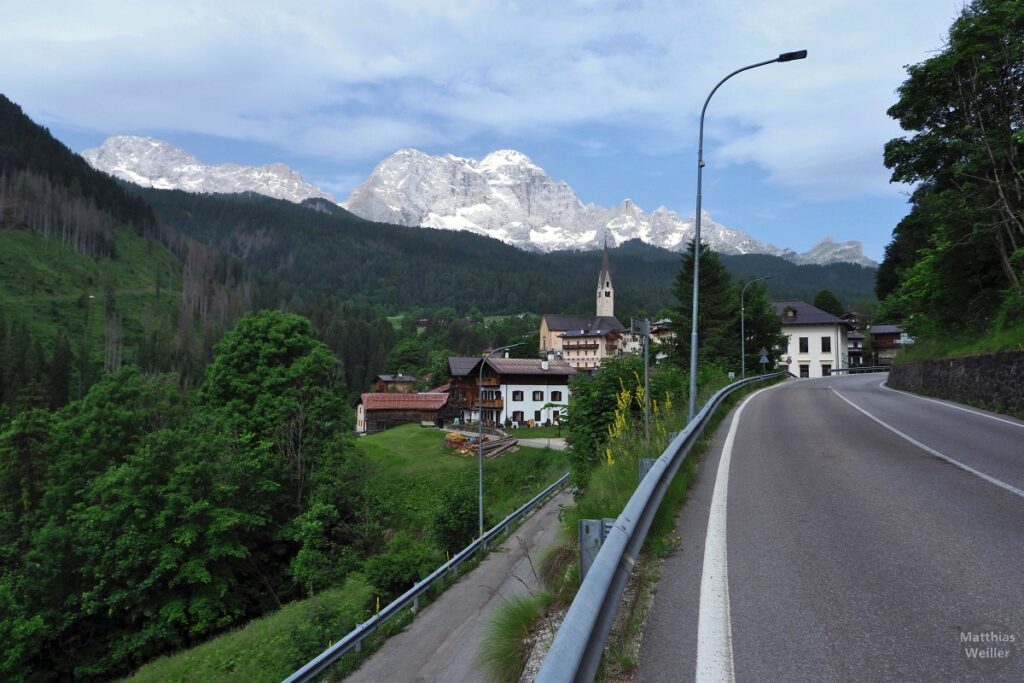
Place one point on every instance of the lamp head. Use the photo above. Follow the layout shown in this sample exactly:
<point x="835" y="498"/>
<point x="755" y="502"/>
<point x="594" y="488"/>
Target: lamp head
<point x="790" y="56"/>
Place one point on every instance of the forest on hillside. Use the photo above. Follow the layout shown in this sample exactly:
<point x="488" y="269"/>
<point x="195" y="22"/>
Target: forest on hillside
<point x="955" y="267"/>
<point x="337" y="254"/>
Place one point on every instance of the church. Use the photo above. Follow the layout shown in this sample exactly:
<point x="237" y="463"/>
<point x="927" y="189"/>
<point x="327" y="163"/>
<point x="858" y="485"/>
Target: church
<point x="584" y="341"/>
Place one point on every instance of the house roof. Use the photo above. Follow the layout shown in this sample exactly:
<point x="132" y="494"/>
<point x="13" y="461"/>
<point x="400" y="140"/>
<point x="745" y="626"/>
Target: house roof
<point x="855" y="335"/>
<point x="530" y="366"/>
<point x="381" y="401"/>
<point x="396" y="378"/>
<point x="885" y="329"/>
<point x="460" y="366"/>
<point x="593" y="332"/>
<point x="806" y="314"/>
<point x="560" y="323"/>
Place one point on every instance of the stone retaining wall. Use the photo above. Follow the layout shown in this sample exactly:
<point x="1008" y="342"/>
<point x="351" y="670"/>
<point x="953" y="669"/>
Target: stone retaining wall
<point x="992" y="380"/>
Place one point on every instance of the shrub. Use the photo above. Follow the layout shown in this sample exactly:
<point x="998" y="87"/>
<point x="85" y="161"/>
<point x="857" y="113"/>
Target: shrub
<point x="456" y="522"/>
<point x="404" y="562"/>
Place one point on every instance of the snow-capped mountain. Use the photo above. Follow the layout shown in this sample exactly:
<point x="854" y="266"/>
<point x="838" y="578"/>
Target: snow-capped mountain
<point x="507" y="196"/>
<point x="154" y="163"/>
<point x="504" y="195"/>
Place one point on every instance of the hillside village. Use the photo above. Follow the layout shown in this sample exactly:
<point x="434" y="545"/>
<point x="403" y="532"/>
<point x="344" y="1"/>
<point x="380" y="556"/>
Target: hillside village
<point x="517" y="392"/>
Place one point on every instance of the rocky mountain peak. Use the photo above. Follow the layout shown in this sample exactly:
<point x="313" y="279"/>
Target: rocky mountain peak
<point x="156" y="163"/>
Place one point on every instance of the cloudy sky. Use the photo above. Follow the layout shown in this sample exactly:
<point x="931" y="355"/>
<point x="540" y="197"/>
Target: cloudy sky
<point x="603" y="95"/>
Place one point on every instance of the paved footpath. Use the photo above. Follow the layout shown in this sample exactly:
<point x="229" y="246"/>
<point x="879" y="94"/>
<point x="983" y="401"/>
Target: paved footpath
<point x="441" y="643"/>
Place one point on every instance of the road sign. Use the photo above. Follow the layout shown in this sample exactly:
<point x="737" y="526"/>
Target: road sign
<point x="763" y="352"/>
<point x="788" y="360"/>
<point x="764" y="359"/>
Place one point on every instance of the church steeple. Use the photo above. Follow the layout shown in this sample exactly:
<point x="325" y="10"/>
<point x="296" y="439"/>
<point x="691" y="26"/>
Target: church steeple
<point x="605" y="292"/>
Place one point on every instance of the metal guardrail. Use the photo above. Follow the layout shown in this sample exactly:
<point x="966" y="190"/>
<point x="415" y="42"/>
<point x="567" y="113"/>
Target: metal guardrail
<point x="354" y="639"/>
<point x="576" y="651"/>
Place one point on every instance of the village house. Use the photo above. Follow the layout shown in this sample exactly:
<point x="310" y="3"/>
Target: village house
<point x="584" y="341"/>
<point x="376" y="412"/>
<point x="521" y="390"/>
<point x="886" y="342"/>
<point x="817" y="339"/>
<point x="399" y="383"/>
<point x="855" y="348"/>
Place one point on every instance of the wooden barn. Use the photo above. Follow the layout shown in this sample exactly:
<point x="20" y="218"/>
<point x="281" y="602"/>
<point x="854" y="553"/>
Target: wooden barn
<point x="376" y="412"/>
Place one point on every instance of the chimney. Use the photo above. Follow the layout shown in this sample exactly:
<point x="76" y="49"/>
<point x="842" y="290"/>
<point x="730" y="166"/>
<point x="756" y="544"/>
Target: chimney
<point x="544" y="363"/>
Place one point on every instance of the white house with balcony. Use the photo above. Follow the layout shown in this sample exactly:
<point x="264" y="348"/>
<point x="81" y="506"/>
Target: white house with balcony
<point x="818" y="341"/>
<point x="520" y="390"/>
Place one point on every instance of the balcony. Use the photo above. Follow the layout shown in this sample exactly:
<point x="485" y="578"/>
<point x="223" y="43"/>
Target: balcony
<point x="491" y="381"/>
<point x="579" y="346"/>
<point x="493" y="403"/>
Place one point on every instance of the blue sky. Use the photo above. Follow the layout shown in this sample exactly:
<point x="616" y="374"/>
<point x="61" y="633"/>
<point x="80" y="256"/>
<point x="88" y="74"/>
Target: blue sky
<point x="603" y="95"/>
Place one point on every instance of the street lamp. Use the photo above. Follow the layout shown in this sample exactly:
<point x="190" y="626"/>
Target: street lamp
<point x="784" y="57"/>
<point x="480" y="438"/>
<point x="743" y="332"/>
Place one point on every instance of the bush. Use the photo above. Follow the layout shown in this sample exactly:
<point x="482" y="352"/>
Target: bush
<point x="405" y="561"/>
<point x="456" y="522"/>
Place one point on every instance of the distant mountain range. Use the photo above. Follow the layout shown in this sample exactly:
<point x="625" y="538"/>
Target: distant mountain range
<point x="504" y="195"/>
<point x="154" y="163"/>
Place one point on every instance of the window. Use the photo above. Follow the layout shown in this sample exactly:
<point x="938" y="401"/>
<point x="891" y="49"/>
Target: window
<point x="826" y="344"/>
<point x="538" y="396"/>
<point x="517" y="416"/>
<point x="826" y="369"/>
<point x="536" y="416"/>
<point x="554" y="415"/>
<point x="556" y="395"/>
<point x="805" y="370"/>
<point x="803" y="344"/>
<point x="517" y="396"/>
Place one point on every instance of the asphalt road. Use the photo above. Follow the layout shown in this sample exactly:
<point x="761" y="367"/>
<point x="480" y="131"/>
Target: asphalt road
<point x="442" y="642"/>
<point x="845" y="551"/>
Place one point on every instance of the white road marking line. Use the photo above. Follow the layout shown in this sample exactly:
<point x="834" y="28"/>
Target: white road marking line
<point x="929" y="449"/>
<point x="714" y="624"/>
<point x="949" y="405"/>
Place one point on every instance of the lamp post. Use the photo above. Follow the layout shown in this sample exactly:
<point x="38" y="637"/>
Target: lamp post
<point x="480" y="438"/>
<point x="784" y="57"/>
<point x="743" y="331"/>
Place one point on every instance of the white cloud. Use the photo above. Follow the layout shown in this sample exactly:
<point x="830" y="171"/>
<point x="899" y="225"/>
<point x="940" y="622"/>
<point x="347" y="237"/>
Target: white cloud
<point x="355" y="81"/>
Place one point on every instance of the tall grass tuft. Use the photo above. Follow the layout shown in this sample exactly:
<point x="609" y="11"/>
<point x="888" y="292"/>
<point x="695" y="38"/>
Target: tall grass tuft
<point x="505" y="645"/>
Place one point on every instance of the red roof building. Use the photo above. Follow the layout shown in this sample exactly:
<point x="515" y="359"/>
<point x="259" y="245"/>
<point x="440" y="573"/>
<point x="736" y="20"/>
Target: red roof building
<point x="376" y="412"/>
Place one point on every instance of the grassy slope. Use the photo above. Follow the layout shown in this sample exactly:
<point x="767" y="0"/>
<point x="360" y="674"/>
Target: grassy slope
<point x="412" y="469"/>
<point x="999" y="340"/>
<point x="263" y="649"/>
<point x="47" y="285"/>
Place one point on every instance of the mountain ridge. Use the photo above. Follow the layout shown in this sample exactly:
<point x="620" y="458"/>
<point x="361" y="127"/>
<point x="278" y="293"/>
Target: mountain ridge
<point x="504" y="195"/>
<point x="154" y="163"/>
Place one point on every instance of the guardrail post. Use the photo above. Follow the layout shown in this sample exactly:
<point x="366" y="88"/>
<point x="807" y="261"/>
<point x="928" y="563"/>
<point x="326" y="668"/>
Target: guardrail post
<point x="645" y="465"/>
<point x="592" y="533"/>
<point x="416" y="604"/>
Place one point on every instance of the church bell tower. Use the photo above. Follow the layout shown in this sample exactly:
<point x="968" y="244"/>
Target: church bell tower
<point x="605" y="293"/>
